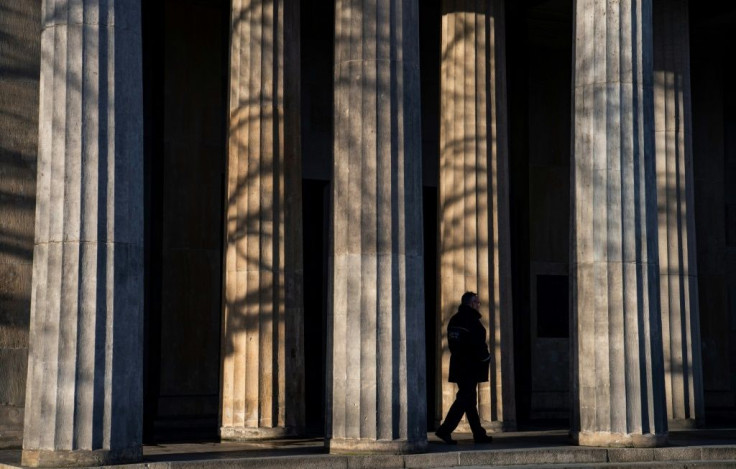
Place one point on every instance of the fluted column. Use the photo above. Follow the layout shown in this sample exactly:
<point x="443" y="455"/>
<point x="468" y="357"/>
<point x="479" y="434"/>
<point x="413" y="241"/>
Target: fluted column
<point x="474" y="247"/>
<point x="619" y="378"/>
<point x="376" y="365"/>
<point x="262" y="338"/>
<point x="678" y="275"/>
<point x="84" y="389"/>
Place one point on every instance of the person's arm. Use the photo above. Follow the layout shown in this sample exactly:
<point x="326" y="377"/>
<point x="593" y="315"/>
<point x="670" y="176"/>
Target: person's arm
<point x="482" y="352"/>
<point x="480" y="346"/>
<point x="457" y="338"/>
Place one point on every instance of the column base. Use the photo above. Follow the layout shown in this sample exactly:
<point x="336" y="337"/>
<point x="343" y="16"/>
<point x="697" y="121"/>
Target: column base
<point x="253" y="433"/>
<point x="684" y="424"/>
<point x="80" y="457"/>
<point x="499" y="426"/>
<point x="620" y="440"/>
<point x="495" y="426"/>
<point x="365" y="445"/>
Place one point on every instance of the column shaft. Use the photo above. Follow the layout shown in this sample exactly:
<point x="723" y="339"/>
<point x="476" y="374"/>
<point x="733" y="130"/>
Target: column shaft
<point x="262" y="352"/>
<point x="474" y="246"/>
<point x="376" y="367"/>
<point x="84" y="389"/>
<point x="619" y="382"/>
<point x="678" y="275"/>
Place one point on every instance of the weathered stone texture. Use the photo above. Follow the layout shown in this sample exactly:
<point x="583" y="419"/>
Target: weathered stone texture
<point x="263" y="356"/>
<point x="376" y="366"/>
<point x="619" y="385"/>
<point x="474" y="246"/>
<point x="84" y="390"/>
<point x="678" y="274"/>
<point x="19" y="75"/>
<point x="535" y="456"/>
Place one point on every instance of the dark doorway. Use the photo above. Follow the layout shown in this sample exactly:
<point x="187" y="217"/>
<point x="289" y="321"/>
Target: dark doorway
<point x="539" y="58"/>
<point x="430" y="300"/>
<point x="712" y="41"/>
<point x="430" y="21"/>
<point x="185" y="111"/>
<point x="317" y="47"/>
<point x="316" y="213"/>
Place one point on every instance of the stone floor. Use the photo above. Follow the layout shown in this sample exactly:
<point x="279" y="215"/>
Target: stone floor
<point x="552" y="448"/>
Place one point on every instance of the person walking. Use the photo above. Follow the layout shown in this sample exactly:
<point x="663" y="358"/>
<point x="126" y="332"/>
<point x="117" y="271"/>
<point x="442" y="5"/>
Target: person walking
<point x="469" y="359"/>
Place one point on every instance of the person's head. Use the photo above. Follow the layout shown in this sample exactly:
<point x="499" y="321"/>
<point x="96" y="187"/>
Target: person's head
<point x="470" y="298"/>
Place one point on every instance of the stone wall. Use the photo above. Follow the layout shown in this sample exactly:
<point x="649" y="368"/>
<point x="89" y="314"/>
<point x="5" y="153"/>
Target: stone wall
<point x="19" y="80"/>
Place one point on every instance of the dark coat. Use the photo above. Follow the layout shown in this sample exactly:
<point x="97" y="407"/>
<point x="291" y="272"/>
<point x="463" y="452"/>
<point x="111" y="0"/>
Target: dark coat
<point x="466" y="336"/>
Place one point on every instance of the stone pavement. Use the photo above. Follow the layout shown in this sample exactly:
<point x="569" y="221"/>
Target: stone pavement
<point x="520" y="450"/>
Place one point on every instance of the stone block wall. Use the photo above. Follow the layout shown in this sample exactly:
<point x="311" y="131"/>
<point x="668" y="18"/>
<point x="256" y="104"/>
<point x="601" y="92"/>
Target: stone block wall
<point x="20" y="42"/>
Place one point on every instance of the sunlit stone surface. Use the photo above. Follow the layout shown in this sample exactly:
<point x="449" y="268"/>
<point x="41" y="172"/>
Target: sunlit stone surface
<point x="262" y="334"/>
<point x="678" y="274"/>
<point x="84" y="390"/>
<point x="619" y="377"/>
<point x="376" y="366"/>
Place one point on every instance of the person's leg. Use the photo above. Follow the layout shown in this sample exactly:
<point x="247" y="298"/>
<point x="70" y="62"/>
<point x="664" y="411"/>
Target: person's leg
<point x="468" y="395"/>
<point x="453" y="416"/>
<point x="465" y="403"/>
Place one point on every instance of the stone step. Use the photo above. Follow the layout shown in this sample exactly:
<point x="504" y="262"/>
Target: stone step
<point x="613" y="465"/>
<point x="557" y="457"/>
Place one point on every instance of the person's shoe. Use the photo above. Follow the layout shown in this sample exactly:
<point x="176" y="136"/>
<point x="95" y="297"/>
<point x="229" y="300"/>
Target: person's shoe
<point x="483" y="439"/>
<point x="445" y="437"/>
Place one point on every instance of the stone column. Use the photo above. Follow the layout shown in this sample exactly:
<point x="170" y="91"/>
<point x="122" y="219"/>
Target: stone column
<point x="376" y="365"/>
<point x="678" y="275"/>
<point x="84" y="388"/>
<point x="474" y="248"/>
<point x="617" y="358"/>
<point x="262" y="351"/>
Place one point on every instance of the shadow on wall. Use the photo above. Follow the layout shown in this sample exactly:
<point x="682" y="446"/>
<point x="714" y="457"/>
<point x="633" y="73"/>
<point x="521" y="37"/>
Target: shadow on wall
<point x="472" y="194"/>
<point x="19" y="75"/>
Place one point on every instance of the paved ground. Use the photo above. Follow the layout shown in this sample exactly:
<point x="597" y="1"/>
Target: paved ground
<point x="688" y="449"/>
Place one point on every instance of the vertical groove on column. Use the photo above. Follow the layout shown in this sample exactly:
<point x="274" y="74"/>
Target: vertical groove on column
<point x="384" y="326"/>
<point x="619" y="384"/>
<point x="84" y="388"/>
<point x="262" y="323"/>
<point x="505" y="392"/>
<point x="267" y="203"/>
<point x="291" y="359"/>
<point x="376" y="362"/>
<point x="677" y="262"/>
<point x="473" y="204"/>
<point x="484" y="171"/>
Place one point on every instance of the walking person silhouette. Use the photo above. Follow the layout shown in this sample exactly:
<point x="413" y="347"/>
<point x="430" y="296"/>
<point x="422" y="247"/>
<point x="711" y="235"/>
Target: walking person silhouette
<point x="469" y="359"/>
